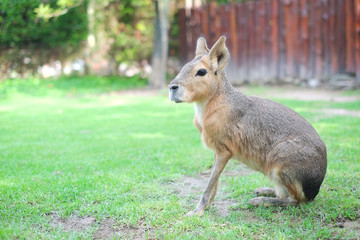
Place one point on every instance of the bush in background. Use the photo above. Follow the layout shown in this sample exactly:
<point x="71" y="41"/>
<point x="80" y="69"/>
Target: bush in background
<point x="20" y="26"/>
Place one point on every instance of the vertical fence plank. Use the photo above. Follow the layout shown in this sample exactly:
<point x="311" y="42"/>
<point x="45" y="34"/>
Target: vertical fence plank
<point x="212" y="27"/>
<point x="192" y="28"/>
<point x="228" y="30"/>
<point x="182" y="35"/>
<point x="233" y="34"/>
<point x="193" y="32"/>
<point x="281" y="41"/>
<point x="312" y="47"/>
<point x="304" y="40"/>
<point x="262" y="40"/>
<point x="247" y="39"/>
<point x="225" y="24"/>
<point x="295" y="10"/>
<point x="295" y="15"/>
<point x="332" y="37"/>
<point x="340" y="22"/>
<point x="189" y="34"/>
<point x="349" y="9"/>
<point x="357" y="39"/>
<point x="325" y="37"/>
<point x="274" y="38"/>
<point x="289" y="50"/>
<point x="205" y="22"/>
<point x="252" y="40"/>
<point x="198" y="24"/>
<point x="196" y="29"/>
<point x="318" y="42"/>
<point x="267" y="41"/>
<point x="258" y="43"/>
<point x="317" y="35"/>
<point x="217" y="24"/>
<point x="242" y="41"/>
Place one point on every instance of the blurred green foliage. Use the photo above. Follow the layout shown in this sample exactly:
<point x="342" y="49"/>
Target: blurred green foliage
<point x="133" y="30"/>
<point x="64" y="23"/>
<point x="20" y="26"/>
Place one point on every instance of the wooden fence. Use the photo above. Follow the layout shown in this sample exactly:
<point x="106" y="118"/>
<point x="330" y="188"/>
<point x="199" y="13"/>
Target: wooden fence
<point x="279" y="39"/>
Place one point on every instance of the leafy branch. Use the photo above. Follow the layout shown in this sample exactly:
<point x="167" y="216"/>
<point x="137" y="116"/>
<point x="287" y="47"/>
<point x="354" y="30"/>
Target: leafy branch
<point x="46" y="12"/>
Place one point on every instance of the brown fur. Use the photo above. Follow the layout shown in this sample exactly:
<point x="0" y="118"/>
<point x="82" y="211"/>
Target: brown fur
<point x="265" y="135"/>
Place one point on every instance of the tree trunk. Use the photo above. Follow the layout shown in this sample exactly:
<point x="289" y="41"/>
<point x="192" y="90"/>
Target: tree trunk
<point x="98" y="43"/>
<point x="160" y="54"/>
<point x="91" y="40"/>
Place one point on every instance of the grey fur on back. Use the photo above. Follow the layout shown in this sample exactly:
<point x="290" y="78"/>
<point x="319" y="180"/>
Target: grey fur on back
<point x="271" y="125"/>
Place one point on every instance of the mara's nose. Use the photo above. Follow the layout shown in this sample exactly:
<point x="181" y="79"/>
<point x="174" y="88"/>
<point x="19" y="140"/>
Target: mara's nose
<point x="173" y="88"/>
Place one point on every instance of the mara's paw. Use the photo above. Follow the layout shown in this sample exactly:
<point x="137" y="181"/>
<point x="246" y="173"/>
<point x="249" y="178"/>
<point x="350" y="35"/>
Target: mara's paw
<point x="269" y="201"/>
<point x="258" y="201"/>
<point x="192" y="213"/>
<point x="265" y="191"/>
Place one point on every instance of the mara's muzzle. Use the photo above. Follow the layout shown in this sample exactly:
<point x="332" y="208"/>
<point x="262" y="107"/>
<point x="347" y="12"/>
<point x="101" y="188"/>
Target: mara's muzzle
<point x="173" y="90"/>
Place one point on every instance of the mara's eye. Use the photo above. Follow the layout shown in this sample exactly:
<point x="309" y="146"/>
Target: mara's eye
<point x="201" y="72"/>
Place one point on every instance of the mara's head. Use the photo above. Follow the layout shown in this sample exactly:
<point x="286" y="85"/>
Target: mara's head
<point x="199" y="79"/>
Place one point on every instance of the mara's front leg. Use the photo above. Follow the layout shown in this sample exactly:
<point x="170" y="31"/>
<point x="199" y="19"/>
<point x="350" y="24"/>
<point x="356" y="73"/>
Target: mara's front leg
<point x="208" y="196"/>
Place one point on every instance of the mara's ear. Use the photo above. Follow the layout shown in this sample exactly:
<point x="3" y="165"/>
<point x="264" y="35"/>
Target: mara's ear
<point x="201" y="47"/>
<point x="219" y="55"/>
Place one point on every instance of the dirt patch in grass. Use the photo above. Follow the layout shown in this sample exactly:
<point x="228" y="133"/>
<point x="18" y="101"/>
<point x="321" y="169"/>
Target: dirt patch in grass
<point x="105" y="229"/>
<point x="193" y="186"/>
<point x="348" y="224"/>
<point x="108" y="229"/>
<point x="353" y="226"/>
<point x="73" y="223"/>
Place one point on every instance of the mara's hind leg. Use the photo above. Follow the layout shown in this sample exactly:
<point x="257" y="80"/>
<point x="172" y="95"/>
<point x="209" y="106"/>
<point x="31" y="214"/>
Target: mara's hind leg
<point x="274" y="197"/>
<point x="287" y="191"/>
<point x="279" y="191"/>
<point x="284" y="197"/>
<point x="297" y="168"/>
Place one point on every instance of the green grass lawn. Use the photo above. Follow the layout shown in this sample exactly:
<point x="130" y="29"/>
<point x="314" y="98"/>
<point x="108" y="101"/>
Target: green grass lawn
<point x="79" y="163"/>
